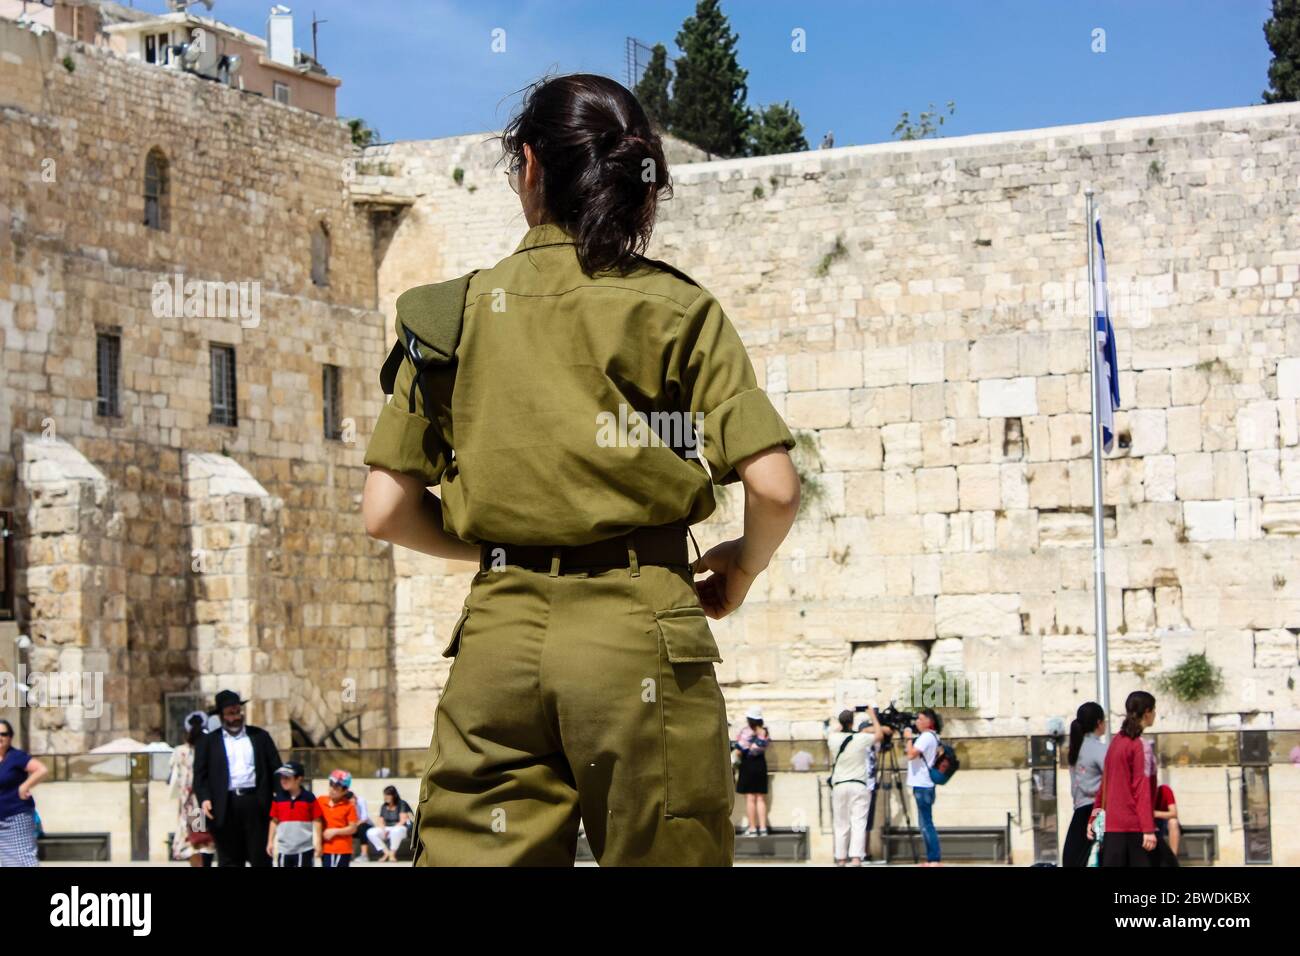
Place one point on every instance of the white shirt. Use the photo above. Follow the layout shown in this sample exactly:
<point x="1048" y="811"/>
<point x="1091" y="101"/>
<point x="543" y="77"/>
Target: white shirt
<point x="918" y="768"/>
<point x="855" y="761"/>
<point x="363" y="812"/>
<point x="239" y="759"/>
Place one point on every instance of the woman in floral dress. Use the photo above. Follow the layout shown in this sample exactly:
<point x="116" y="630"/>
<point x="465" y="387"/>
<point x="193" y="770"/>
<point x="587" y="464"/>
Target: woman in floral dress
<point x="191" y="840"/>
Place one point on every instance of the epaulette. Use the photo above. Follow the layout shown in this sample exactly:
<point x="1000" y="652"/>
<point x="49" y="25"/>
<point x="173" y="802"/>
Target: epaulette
<point x="666" y="267"/>
<point x="428" y="328"/>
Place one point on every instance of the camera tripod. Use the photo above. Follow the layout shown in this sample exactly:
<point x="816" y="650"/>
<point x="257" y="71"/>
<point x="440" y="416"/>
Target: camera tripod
<point x="888" y="765"/>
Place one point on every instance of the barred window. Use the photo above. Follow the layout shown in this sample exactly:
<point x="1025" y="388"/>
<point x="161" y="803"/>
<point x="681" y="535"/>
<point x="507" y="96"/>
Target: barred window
<point x="108" y="374"/>
<point x="155" y="190"/>
<point x="223" y="386"/>
<point x="331" y="378"/>
<point x="320" y="255"/>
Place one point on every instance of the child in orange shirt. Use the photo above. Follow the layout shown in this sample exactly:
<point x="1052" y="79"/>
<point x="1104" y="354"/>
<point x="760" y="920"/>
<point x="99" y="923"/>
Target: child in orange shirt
<point x="339" y="811"/>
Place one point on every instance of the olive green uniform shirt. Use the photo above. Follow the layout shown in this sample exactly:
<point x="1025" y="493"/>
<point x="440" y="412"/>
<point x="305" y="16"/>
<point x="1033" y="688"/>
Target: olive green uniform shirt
<point x="569" y="413"/>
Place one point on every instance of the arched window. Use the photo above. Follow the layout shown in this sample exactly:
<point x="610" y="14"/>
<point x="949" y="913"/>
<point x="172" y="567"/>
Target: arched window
<point x="320" y="255"/>
<point x="156" y="190"/>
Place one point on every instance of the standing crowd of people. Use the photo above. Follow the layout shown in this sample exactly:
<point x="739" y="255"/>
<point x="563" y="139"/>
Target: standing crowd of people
<point x="239" y="804"/>
<point x="855" y="767"/>
<point x="1122" y="814"/>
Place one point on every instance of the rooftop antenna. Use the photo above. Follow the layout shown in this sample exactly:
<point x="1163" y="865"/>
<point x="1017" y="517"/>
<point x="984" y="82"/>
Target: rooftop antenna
<point x="314" y="24"/>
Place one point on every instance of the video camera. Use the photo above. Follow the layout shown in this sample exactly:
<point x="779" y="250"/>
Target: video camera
<point x="896" y="719"/>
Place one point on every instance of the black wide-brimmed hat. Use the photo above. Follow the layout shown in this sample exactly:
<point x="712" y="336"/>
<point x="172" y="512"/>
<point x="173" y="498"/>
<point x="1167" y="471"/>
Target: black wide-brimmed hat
<point x="227" y="697"/>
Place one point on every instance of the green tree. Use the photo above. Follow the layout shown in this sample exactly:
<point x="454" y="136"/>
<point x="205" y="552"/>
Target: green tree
<point x="1282" y="31"/>
<point x="775" y="128"/>
<point x="652" y="89"/>
<point x="708" y="103"/>
<point x="926" y="125"/>
<point x="362" y="135"/>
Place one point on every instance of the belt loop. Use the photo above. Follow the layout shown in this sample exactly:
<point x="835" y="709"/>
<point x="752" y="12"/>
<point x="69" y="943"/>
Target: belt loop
<point x="631" y="558"/>
<point x="555" y="562"/>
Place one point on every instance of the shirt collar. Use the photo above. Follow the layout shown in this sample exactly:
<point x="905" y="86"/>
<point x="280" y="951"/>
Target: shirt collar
<point x="546" y="234"/>
<point x="243" y="732"/>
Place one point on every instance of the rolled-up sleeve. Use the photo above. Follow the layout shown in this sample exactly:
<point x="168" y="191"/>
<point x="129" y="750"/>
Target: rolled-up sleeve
<point x="715" y="379"/>
<point x="406" y="441"/>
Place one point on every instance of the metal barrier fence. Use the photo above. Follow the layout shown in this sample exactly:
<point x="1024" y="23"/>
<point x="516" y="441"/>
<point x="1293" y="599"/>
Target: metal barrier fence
<point x="1232" y="748"/>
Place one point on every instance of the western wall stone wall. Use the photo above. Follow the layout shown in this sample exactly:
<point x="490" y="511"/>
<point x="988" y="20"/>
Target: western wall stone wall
<point x="919" y="314"/>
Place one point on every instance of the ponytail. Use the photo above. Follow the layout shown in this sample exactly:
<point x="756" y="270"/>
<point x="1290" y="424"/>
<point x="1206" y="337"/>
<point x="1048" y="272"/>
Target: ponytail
<point x="1085" y="722"/>
<point x="1135" y="708"/>
<point x="602" y="165"/>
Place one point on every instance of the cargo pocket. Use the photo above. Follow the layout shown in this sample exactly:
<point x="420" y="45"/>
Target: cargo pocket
<point x="697" y="773"/>
<point x="453" y="643"/>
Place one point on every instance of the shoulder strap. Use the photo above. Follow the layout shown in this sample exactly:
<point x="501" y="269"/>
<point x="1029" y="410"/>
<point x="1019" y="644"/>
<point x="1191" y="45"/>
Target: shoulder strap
<point x="428" y="327"/>
<point x="668" y="267"/>
<point x="839" y="753"/>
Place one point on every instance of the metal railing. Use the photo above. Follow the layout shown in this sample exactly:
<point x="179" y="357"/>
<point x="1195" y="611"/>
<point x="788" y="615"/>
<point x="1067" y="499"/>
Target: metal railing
<point x="1181" y="749"/>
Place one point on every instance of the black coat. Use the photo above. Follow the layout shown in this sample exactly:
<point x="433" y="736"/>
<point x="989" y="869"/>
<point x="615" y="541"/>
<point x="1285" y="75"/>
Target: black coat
<point x="212" y="775"/>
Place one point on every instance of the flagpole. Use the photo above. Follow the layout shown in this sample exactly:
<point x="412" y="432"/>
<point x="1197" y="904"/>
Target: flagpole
<point x="1098" y="536"/>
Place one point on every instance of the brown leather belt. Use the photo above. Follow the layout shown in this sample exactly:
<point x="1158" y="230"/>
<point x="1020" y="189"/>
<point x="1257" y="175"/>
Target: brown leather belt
<point x="663" y="545"/>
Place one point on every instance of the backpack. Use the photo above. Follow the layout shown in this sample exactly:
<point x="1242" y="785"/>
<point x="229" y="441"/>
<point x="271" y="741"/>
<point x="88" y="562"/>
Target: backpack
<point x="945" y="763"/>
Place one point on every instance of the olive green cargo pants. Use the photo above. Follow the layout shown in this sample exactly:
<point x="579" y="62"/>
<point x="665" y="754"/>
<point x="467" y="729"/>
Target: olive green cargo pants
<point x="579" y="695"/>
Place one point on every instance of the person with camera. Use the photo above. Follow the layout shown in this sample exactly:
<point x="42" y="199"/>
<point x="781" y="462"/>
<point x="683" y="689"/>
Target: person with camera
<point x="922" y="744"/>
<point x="853" y="782"/>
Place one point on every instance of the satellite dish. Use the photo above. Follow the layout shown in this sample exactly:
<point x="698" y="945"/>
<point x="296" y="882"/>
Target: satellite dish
<point x="190" y="53"/>
<point x="1056" y="726"/>
<point x="234" y="64"/>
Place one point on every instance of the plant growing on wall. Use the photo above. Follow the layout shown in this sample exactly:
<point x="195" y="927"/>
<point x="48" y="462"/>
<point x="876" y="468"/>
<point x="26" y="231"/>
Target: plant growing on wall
<point x="362" y="135"/>
<point x="927" y="124"/>
<point x="838" y="251"/>
<point x="1192" y="680"/>
<point x="807" y="460"/>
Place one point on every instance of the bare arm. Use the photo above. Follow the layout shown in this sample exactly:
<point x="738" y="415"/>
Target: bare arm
<point x="36" y="772"/>
<point x="398" y="508"/>
<point x="771" y="504"/>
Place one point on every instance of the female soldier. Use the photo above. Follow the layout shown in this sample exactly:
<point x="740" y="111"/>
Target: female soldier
<point x="583" y="682"/>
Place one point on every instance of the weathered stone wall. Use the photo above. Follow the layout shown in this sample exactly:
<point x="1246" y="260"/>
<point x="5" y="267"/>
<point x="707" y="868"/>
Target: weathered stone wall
<point x="301" y="619"/>
<point x="918" y="311"/>
<point x="915" y="310"/>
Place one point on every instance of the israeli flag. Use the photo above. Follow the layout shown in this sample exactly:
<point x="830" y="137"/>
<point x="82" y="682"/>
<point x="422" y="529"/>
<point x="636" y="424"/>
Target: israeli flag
<point x="1107" y="363"/>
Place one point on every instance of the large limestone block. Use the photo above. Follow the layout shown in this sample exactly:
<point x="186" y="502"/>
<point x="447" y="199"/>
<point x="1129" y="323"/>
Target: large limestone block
<point x="1209" y="520"/>
<point x="979" y="487"/>
<point x="976" y="614"/>
<point x="936" y="489"/>
<point x="1008" y="398"/>
<point x="1288" y="378"/>
<point x="887" y="661"/>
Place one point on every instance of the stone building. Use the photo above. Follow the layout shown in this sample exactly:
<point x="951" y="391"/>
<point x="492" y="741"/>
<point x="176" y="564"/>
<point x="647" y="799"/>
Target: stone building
<point x="171" y="244"/>
<point x="190" y="520"/>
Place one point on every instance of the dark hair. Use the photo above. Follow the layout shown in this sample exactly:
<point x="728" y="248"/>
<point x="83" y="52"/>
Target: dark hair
<point x="934" y="717"/>
<point x="594" y="145"/>
<point x="846" y="719"/>
<point x="8" y="727"/>
<point x="1085" y="722"/>
<point x="195" y="728"/>
<point x="397" y="797"/>
<point x="1137" y="704"/>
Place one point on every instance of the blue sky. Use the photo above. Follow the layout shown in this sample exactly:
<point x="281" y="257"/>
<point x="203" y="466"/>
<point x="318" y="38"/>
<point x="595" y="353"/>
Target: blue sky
<point x="419" y="69"/>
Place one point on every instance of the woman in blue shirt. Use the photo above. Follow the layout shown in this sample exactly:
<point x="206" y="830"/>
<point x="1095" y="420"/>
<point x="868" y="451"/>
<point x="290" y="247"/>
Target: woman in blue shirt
<point x="19" y="772"/>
